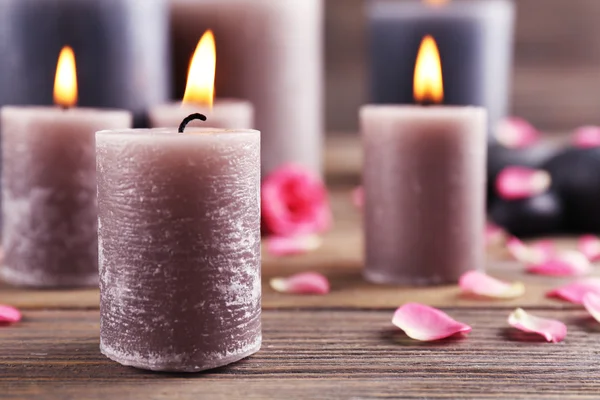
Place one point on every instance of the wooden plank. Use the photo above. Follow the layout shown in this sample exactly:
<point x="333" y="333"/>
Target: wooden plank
<point x="341" y="260"/>
<point x="314" y="354"/>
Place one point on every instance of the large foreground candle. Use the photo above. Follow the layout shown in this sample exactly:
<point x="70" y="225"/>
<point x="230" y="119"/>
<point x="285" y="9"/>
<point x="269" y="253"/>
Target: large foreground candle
<point x="475" y="41"/>
<point x="179" y="240"/>
<point x="270" y="52"/>
<point x="49" y="180"/>
<point x="122" y="48"/>
<point x="199" y="96"/>
<point x="424" y="180"/>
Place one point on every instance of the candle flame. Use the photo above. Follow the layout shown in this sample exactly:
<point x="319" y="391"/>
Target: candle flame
<point x="437" y="2"/>
<point x="200" y="87"/>
<point x="428" y="81"/>
<point x="65" y="82"/>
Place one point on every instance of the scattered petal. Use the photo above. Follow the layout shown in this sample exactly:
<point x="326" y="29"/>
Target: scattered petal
<point x="421" y="322"/>
<point x="494" y="234"/>
<point x="574" y="292"/>
<point x="589" y="245"/>
<point x="566" y="263"/>
<point x="554" y="331"/>
<point x="304" y="283"/>
<point x="591" y="302"/>
<point x="514" y="183"/>
<point x="9" y="314"/>
<point x="537" y="253"/>
<point x="587" y="137"/>
<point x="358" y="197"/>
<point x="481" y="284"/>
<point x="516" y="133"/>
<point x="287" y="246"/>
<point x="294" y="202"/>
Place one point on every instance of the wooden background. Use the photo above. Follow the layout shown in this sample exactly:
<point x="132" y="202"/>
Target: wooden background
<point x="556" y="82"/>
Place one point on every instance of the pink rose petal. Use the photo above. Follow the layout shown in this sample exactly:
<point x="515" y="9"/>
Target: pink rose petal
<point x="287" y="246"/>
<point x="552" y="330"/>
<point x="493" y="234"/>
<point x="303" y="283"/>
<point x="358" y="197"/>
<point x="481" y="284"/>
<point x="591" y="302"/>
<point x="516" y="133"/>
<point x="575" y="291"/>
<point x="587" y="137"/>
<point x="294" y="202"/>
<point x="514" y="183"/>
<point x="421" y="322"/>
<point x="567" y="263"/>
<point x="589" y="245"/>
<point x="9" y="314"/>
<point x="537" y="253"/>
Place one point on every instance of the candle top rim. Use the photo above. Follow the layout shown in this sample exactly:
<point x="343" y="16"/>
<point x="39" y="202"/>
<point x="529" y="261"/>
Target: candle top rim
<point x="391" y="9"/>
<point x="411" y="109"/>
<point x="54" y="109"/>
<point x="173" y="133"/>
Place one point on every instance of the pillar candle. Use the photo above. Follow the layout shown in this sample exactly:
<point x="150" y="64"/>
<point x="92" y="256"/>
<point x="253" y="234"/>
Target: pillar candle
<point x="122" y="47"/>
<point x="424" y="182"/>
<point x="49" y="194"/>
<point x="270" y="53"/>
<point x="179" y="247"/>
<point x="475" y="41"/>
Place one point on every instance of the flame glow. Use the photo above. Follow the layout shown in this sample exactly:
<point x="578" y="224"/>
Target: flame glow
<point x="200" y="87"/>
<point x="428" y="81"/>
<point x="65" y="82"/>
<point x="437" y="2"/>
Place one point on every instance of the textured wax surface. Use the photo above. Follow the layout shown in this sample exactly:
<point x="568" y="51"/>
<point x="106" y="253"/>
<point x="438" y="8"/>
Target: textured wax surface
<point x="424" y="180"/>
<point x="49" y="196"/>
<point x="225" y="113"/>
<point x="179" y="244"/>
<point x="270" y="53"/>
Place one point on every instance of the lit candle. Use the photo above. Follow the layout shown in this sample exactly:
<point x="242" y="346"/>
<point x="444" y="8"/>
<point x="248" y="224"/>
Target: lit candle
<point x="475" y="39"/>
<point x="424" y="182"/>
<point x="179" y="244"/>
<point x="49" y="178"/>
<point x="199" y="96"/>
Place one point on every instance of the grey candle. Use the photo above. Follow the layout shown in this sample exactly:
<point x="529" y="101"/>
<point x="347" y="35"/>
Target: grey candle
<point x="475" y="42"/>
<point x="122" y="49"/>
<point x="179" y="247"/>
<point x="270" y="53"/>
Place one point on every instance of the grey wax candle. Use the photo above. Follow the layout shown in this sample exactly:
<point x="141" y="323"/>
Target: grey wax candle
<point x="122" y="50"/>
<point x="474" y="39"/>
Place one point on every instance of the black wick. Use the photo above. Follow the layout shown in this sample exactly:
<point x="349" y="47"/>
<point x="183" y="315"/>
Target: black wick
<point x="189" y="119"/>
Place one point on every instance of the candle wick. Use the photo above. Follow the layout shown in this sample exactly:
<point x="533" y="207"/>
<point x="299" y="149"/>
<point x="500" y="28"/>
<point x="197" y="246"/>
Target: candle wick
<point x="189" y="119"/>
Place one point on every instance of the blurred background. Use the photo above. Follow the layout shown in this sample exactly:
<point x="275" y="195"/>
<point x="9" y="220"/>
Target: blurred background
<point x="556" y="81"/>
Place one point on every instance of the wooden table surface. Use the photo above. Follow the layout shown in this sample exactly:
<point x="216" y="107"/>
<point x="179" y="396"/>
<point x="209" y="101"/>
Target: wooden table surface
<point x="342" y="345"/>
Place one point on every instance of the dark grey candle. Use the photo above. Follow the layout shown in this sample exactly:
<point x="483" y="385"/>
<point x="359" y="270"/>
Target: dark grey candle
<point x="475" y="43"/>
<point x="121" y="47"/>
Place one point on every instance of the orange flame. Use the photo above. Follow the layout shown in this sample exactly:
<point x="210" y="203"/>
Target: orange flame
<point x="437" y="2"/>
<point x="428" y="81"/>
<point x="65" y="82"/>
<point x="200" y="87"/>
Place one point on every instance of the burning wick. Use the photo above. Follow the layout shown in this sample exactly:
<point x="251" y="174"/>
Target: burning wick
<point x="189" y="119"/>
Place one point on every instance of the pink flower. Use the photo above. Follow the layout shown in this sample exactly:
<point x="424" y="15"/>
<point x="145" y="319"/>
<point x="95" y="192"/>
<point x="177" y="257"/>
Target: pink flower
<point x="552" y="330"/>
<point x="294" y="202"/>
<point x="516" y="133"/>
<point x="425" y="323"/>
<point x="303" y="283"/>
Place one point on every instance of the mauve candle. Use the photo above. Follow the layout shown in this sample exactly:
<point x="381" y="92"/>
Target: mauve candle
<point x="49" y="192"/>
<point x="199" y="96"/>
<point x="424" y="180"/>
<point x="475" y="40"/>
<point x="269" y="52"/>
<point x="122" y="47"/>
<point x="179" y="247"/>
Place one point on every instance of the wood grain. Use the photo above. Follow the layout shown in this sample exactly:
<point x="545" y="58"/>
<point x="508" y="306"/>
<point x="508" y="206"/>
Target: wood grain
<point x="314" y="354"/>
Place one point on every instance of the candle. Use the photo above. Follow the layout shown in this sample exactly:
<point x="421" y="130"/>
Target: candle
<point x="424" y="183"/>
<point x="49" y="179"/>
<point x="199" y="96"/>
<point x="122" y="48"/>
<point x="270" y="52"/>
<point x="475" y="41"/>
<point x="179" y="240"/>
